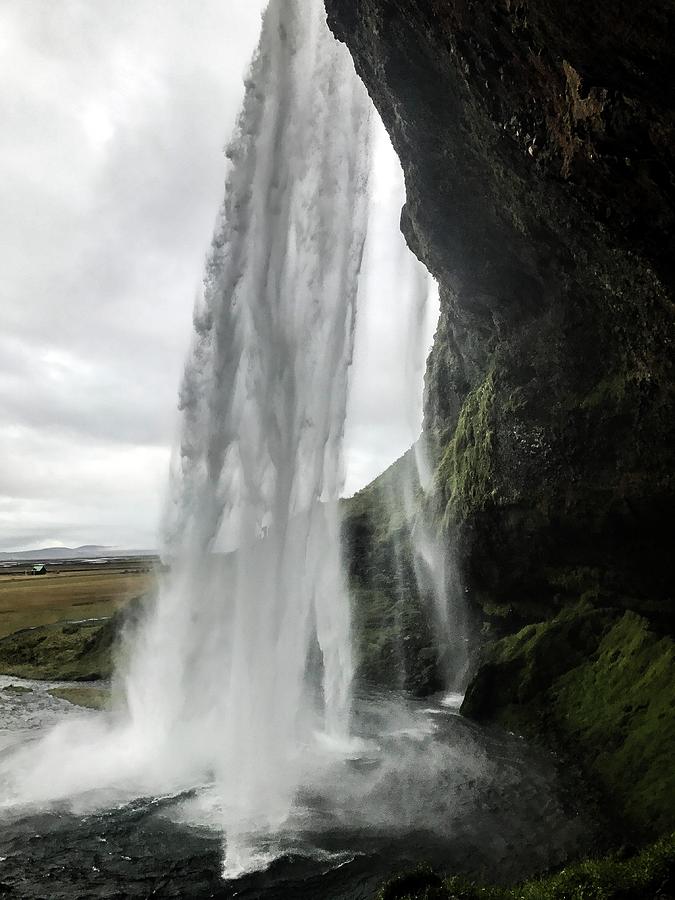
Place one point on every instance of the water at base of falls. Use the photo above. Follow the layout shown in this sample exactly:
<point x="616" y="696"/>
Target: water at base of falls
<point x="420" y="784"/>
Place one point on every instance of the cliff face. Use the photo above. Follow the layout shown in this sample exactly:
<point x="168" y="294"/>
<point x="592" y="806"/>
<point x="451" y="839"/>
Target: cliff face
<point x="538" y="142"/>
<point x="393" y="620"/>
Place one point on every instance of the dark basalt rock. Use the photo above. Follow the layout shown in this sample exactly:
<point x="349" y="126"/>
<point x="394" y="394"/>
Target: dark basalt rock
<point x="537" y="145"/>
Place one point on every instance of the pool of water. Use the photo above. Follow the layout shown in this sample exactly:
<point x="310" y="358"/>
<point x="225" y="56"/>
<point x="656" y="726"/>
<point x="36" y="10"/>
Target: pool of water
<point x="420" y="784"/>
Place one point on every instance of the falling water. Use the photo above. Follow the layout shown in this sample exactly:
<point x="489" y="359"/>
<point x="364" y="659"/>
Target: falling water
<point x="245" y="661"/>
<point x="254" y="533"/>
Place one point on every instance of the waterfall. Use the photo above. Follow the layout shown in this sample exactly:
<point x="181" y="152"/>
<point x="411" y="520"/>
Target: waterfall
<point x="425" y="563"/>
<point x="243" y="667"/>
<point x="237" y="683"/>
<point x="253" y="530"/>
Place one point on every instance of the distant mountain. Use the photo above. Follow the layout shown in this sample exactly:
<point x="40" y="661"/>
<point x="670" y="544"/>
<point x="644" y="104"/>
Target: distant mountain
<point x="87" y="551"/>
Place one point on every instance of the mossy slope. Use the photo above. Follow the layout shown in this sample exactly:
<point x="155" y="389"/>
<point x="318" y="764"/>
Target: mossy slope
<point x="67" y="651"/>
<point x="649" y="874"/>
<point x="61" y="652"/>
<point x="87" y="697"/>
<point x="600" y="682"/>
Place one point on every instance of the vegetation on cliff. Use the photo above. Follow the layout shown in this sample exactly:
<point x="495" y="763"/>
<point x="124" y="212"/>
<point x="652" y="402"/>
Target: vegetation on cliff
<point x="537" y="143"/>
<point x="393" y="628"/>
<point x="88" y="697"/>
<point x="600" y="683"/>
<point x="61" y="652"/>
<point x="464" y="478"/>
<point x="67" y="651"/>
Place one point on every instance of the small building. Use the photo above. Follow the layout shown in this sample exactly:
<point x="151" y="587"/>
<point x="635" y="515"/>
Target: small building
<point x="39" y="570"/>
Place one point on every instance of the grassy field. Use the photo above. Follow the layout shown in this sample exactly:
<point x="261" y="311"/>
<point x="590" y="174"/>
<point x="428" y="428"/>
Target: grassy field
<point x="64" y="626"/>
<point x="69" y="595"/>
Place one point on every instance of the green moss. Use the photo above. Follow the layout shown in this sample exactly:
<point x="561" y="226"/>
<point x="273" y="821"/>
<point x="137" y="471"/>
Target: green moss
<point x="394" y="645"/>
<point x="601" y="683"/>
<point x="68" y="651"/>
<point x="608" y="878"/>
<point x="61" y="652"/>
<point x="377" y="632"/>
<point x="390" y="501"/>
<point x="464" y="478"/>
<point x="610" y="391"/>
<point x="574" y="580"/>
<point x="622" y="705"/>
<point x="618" y="387"/>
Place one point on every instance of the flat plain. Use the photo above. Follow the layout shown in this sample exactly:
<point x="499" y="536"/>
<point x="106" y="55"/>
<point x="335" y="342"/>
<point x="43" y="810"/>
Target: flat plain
<point x="70" y="593"/>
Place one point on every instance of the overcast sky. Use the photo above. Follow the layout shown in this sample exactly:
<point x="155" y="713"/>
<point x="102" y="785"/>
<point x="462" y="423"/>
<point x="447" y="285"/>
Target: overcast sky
<point x="114" y="116"/>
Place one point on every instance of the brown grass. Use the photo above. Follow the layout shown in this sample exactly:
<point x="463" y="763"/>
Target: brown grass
<point x="27" y="601"/>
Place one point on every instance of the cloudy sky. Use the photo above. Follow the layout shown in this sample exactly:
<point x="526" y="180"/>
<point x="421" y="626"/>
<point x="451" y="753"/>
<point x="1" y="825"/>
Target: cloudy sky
<point x="114" y="116"/>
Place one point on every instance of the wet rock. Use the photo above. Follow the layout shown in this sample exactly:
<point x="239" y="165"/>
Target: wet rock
<point x="554" y="350"/>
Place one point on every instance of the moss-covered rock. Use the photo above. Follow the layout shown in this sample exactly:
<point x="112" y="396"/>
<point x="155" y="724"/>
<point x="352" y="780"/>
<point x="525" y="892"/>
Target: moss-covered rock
<point x="601" y="683"/>
<point x="67" y="651"/>
<point x="61" y="652"/>
<point x="619" y="707"/>
<point x="17" y="689"/>
<point x="464" y="478"/>
<point x="393" y="628"/>
<point x="645" y="875"/>
<point x="393" y="643"/>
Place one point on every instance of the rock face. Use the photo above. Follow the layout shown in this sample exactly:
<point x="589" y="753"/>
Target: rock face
<point x="538" y="145"/>
<point x="537" y="141"/>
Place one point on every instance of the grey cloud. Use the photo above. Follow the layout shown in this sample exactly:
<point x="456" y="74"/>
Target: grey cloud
<point x="111" y="173"/>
